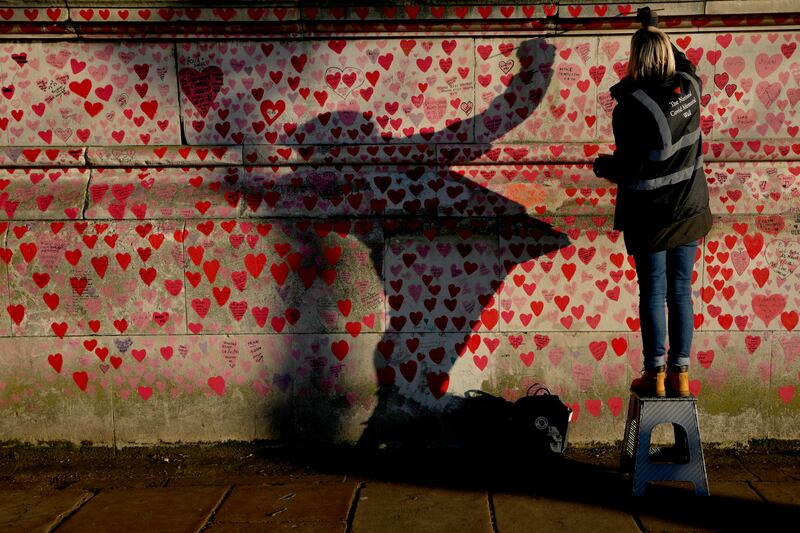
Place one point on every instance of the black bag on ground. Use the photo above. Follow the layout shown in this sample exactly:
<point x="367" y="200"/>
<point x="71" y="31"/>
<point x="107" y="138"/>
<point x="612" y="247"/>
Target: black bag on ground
<point x="536" y="423"/>
<point x="541" y="421"/>
<point x="486" y="420"/>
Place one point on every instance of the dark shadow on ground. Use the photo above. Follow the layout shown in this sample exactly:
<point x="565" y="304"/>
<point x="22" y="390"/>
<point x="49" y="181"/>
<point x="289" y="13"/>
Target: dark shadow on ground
<point x="585" y="476"/>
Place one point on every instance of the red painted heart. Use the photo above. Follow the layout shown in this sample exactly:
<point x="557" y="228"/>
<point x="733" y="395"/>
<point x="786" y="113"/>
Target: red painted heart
<point x="201" y="86"/>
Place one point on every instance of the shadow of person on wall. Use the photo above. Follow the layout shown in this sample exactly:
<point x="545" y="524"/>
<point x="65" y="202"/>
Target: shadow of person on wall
<point x="434" y="305"/>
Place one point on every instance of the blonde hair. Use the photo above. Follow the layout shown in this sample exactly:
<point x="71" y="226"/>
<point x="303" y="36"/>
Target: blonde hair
<point x="651" y="55"/>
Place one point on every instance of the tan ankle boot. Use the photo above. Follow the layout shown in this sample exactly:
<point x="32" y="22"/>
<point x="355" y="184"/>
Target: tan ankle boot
<point x="678" y="381"/>
<point x="651" y="383"/>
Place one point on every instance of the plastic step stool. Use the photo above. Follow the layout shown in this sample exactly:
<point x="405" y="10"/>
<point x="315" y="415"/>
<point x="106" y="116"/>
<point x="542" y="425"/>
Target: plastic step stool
<point x="644" y="463"/>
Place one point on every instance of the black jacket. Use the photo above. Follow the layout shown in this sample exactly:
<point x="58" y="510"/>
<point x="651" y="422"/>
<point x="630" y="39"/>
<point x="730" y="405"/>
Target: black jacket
<point x="662" y="194"/>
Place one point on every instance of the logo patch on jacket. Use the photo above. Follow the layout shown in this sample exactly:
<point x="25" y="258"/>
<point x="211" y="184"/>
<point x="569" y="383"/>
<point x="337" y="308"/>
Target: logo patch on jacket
<point x="678" y="89"/>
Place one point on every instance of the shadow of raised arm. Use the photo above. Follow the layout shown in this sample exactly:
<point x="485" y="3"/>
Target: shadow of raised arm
<point x="532" y="62"/>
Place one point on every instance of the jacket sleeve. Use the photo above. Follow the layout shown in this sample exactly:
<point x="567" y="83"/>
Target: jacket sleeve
<point x="683" y="64"/>
<point x="628" y="160"/>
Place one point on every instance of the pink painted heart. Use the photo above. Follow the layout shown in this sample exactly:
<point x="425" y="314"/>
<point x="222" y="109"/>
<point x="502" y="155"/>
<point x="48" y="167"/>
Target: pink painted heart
<point x="783" y="256"/>
<point x="767" y="64"/>
<point x="791" y="348"/>
<point x="555" y="355"/>
<point x="734" y="65"/>
<point x="613" y="374"/>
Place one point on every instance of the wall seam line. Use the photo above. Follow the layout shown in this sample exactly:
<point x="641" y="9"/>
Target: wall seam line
<point x="8" y="279"/>
<point x="184" y="233"/>
<point x="113" y="418"/>
<point x="772" y="406"/>
<point x="181" y="132"/>
<point x="474" y="92"/>
<point x="86" y="190"/>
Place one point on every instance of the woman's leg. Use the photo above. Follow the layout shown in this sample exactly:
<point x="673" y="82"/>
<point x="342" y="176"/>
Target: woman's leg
<point x="680" y="264"/>
<point x="651" y="273"/>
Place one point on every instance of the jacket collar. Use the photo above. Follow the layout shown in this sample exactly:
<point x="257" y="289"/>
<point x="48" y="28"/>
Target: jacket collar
<point x="626" y="86"/>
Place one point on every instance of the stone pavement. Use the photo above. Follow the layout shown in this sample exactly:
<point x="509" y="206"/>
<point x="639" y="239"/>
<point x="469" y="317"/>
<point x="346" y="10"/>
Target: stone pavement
<point x="251" y="489"/>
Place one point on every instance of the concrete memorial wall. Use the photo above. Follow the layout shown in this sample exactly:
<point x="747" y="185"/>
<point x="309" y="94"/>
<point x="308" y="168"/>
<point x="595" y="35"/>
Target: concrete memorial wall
<point x="297" y="222"/>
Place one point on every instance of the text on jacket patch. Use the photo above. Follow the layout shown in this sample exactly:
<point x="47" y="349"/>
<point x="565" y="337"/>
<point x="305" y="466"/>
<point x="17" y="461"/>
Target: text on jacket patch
<point x="680" y="105"/>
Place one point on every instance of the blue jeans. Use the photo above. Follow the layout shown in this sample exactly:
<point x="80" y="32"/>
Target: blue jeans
<point x="666" y="276"/>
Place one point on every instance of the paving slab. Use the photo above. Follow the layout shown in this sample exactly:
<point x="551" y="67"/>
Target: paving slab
<point x="768" y="468"/>
<point x="780" y="493"/>
<point x="215" y="478"/>
<point x="783" y="505"/>
<point x="391" y="508"/>
<point x="244" y="527"/>
<point x="146" y="510"/>
<point x="299" y="505"/>
<point x="732" y="505"/>
<point x="246" y="471"/>
<point x="727" y="468"/>
<point x="521" y="512"/>
<point x="34" y="510"/>
<point x="188" y="478"/>
<point x="114" y="482"/>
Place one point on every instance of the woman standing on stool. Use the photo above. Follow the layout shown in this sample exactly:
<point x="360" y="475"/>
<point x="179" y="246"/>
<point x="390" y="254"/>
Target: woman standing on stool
<point x="662" y="197"/>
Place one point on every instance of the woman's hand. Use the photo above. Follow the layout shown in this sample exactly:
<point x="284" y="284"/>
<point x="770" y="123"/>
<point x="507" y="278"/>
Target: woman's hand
<point x="602" y="165"/>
